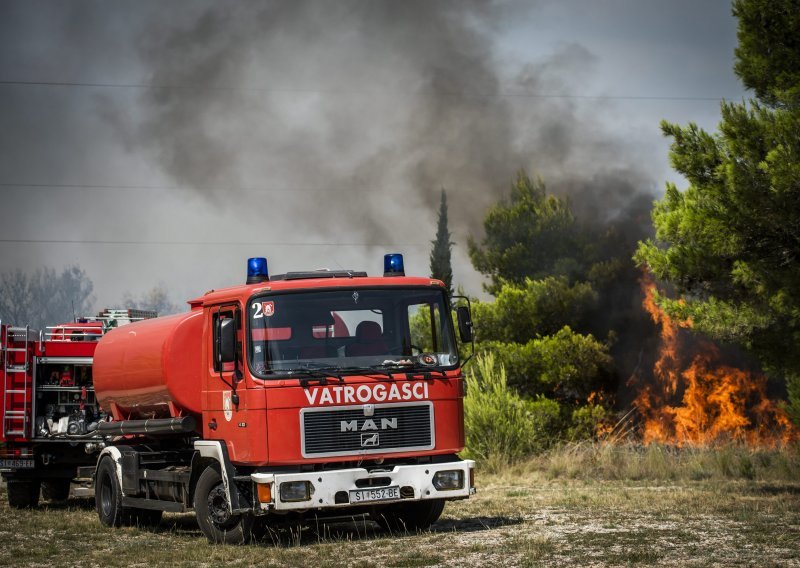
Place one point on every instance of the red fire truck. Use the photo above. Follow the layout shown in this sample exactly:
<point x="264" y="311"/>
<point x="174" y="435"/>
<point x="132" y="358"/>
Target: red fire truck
<point x="49" y="404"/>
<point x="321" y="393"/>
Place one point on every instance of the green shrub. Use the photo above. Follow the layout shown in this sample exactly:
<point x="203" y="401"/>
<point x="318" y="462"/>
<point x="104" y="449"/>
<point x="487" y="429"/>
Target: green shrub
<point x="590" y="422"/>
<point x="792" y="406"/>
<point x="566" y="365"/>
<point x="521" y="312"/>
<point x="500" y="425"/>
<point x="544" y="423"/>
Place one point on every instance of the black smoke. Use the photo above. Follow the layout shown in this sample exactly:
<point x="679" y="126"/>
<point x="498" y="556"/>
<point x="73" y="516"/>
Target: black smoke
<point x="286" y="123"/>
<point x="363" y="110"/>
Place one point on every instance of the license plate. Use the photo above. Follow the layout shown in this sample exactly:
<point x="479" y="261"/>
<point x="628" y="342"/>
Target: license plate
<point x="16" y="464"/>
<point x="376" y="494"/>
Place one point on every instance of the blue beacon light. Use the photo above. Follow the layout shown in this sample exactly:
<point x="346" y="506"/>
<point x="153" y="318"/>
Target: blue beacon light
<point x="257" y="270"/>
<point x="393" y="265"/>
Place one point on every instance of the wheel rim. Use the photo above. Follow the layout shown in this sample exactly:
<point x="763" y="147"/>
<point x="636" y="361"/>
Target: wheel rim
<point x="218" y="508"/>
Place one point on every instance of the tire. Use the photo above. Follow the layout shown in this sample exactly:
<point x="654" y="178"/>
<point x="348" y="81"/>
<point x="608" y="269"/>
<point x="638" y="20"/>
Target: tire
<point x="108" y="501"/>
<point x="409" y="517"/>
<point x="56" y="489"/>
<point x="108" y="495"/>
<point x="23" y="494"/>
<point x="213" y="511"/>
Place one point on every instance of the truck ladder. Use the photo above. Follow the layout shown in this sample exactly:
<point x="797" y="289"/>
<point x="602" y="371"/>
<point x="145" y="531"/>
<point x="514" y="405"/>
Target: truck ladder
<point x="17" y="380"/>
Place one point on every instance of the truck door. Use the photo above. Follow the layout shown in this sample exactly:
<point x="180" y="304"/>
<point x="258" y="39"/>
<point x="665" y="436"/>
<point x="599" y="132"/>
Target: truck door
<point x="225" y="416"/>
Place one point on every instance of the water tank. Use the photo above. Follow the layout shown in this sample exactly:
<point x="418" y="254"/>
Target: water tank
<point x="151" y="369"/>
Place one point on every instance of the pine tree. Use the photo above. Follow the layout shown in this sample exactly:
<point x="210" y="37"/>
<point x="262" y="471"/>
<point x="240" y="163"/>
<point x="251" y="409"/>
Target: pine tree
<point x="531" y="234"/>
<point x="441" y="269"/>
<point x="730" y="242"/>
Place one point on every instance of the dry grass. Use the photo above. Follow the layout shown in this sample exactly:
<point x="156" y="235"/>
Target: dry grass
<point x="628" y="461"/>
<point x="573" y="507"/>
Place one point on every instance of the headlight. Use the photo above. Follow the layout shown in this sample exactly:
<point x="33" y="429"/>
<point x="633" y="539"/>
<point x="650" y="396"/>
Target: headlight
<point x="448" y="480"/>
<point x="296" y="491"/>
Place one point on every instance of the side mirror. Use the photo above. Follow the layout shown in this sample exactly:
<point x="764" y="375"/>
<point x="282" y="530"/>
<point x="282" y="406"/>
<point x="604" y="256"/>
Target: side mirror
<point x="464" y="324"/>
<point x="227" y="340"/>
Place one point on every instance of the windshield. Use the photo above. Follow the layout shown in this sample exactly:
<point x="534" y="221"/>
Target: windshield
<point x="387" y="328"/>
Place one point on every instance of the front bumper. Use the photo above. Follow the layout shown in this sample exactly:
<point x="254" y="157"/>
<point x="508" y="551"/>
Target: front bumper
<point x="415" y="482"/>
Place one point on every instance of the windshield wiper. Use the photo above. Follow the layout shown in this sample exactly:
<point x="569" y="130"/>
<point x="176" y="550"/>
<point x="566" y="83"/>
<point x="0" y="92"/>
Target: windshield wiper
<point x="321" y="373"/>
<point x="409" y="365"/>
<point x="312" y="374"/>
<point x="374" y="370"/>
<point x="341" y="372"/>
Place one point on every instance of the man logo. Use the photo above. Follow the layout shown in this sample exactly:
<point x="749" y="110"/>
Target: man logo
<point x="369" y="424"/>
<point x="369" y="440"/>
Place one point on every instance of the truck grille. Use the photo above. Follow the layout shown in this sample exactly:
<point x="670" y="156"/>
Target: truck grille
<point x="366" y="429"/>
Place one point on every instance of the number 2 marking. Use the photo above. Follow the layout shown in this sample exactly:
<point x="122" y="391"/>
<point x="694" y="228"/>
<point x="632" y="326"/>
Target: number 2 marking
<point x="263" y="309"/>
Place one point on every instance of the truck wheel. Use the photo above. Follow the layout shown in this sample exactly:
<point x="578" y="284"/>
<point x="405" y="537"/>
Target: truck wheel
<point x="56" y="489"/>
<point x="409" y="517"/>
<point x="108" y="495"/>
<point x="213" y="511"/>
<point x="23" y="494"/>
<point x="108" y="501"/>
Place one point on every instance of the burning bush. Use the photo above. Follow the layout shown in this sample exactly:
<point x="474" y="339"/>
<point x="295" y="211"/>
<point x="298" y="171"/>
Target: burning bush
<point x="693" y="398"/>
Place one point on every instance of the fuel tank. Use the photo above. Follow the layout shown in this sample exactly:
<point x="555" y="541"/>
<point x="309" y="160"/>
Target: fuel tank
<point x="151" y="369"/>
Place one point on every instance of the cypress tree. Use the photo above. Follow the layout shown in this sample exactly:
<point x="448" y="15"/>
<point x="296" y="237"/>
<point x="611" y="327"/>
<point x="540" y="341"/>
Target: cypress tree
<point x="441" y="268"/>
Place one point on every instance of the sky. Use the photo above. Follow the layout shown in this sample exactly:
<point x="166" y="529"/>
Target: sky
<point x="165" y="143"/>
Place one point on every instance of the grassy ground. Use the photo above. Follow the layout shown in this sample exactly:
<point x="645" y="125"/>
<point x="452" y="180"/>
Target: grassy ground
<point x="579" y="506"/>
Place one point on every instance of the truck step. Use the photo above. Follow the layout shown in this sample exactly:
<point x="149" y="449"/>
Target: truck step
<point x="153" y="504"/>
<point x="15" y="433"/>
<point x="82" y="492"/>
<point x="15" y="349"/>
<point x="16" y="391"/>
<point x="16" y="370"/>
<point x="14" y="413"/>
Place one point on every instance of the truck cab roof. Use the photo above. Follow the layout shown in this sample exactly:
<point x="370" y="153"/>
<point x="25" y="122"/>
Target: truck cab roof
<point x="309" y="280"/>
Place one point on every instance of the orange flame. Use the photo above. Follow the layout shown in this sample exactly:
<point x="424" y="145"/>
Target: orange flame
<point x="703" y="402"/>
